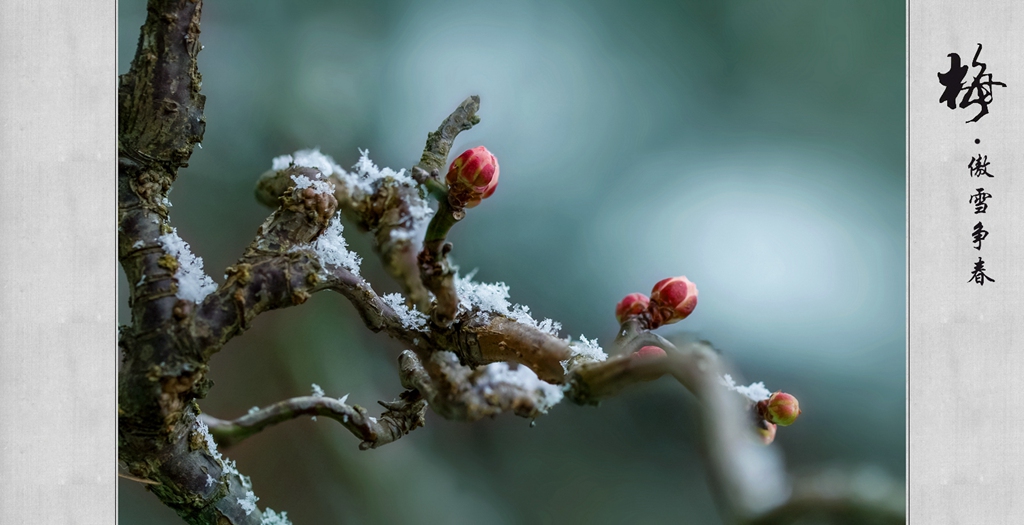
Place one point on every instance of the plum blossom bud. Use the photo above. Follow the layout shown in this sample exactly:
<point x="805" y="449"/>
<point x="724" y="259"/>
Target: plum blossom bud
<point x="631" y="305"/>
<point x="649" y="351"/>
<point x="472" y="177"/>
<point x="672" y="300"/>
<point x="766" y="431"/>
<point x="781" y="408"/>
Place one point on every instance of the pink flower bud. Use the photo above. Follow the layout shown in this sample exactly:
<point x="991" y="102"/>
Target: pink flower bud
<point x="472" y="177"/>
<point x="631" y="305"/>
<point x="672" y="300"/>
<point x="767" y="431"/>
<point x="649" y="351"/>
<point x="780" y="408"/>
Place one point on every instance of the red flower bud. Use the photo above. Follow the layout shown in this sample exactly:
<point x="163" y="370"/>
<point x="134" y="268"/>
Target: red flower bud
<point x="672" y="300"/>
<point x="780" y="408"/>
<point x="631" y="305"/>
<point x="767" y="431"/>
<point x="472" y="177"/>
<point x="649" y="351"/>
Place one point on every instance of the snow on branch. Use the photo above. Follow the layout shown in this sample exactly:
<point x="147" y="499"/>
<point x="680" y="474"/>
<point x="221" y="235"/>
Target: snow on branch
<point x="193" y="283"/>
<point x="488" y="298"/>
<point x="332" y="248"/>
<point x="754" y="391"/>
<point x="399" y="418"/>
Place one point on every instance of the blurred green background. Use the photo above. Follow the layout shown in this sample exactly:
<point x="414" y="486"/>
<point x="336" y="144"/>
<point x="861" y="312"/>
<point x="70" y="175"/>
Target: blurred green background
<point x="756" y="147"/>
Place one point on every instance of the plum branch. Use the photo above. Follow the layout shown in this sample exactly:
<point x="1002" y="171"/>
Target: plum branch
<point x="469" y="354"/>
<point x="400" y="417"/>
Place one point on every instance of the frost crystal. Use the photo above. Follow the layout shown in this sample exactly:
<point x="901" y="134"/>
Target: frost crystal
<point x="411" y="319"/>
<point x="365" y="173"/>
<point x="493" y="298"/>
<point x="272" y="518"/>
<point x="248" y="503"/>
<point x="343" y="398"/>
<point x="229" y="467"/>
<point x="317" y="391"/>
<point x="584" y="351"/>
<point x="253" y="410"/>
<point x="754" y="392"/>
<point x="548" y="395"/>
<point x="138" y="244"/>
<point x="320" y="186"/>
<point x="310" y="158"/>
<point x="332" y="248"/>
<point x="209" y="480"/>
<point x="193" y="283"/>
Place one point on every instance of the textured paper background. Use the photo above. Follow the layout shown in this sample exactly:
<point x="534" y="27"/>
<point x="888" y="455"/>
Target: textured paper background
<point x="966" y="458"/>
<point x="57" y="312"/>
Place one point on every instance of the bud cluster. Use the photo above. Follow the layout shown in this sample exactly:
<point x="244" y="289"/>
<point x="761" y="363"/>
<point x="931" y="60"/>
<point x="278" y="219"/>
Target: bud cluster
<point x="671" y="300"/>
<point x="472" y="177"/>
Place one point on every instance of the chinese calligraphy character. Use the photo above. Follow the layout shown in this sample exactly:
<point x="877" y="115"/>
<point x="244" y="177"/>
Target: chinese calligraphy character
<point x="978" y="200"/>
<point x="979" y="235"/>
<point x="953" y="80"/>
<point x="978" y="166"/>
<point x="978" y="275"/>
<point x="980" y="88"/>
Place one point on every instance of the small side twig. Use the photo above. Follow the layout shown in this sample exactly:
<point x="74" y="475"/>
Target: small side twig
<point x="401" y="417"/>
<point x="435" y="271"/>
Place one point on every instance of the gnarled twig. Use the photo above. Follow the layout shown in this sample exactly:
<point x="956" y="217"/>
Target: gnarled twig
<point x="401" y="417"/>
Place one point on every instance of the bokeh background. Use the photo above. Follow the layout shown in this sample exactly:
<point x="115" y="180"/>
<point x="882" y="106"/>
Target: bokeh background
<point x="755" y="147"/>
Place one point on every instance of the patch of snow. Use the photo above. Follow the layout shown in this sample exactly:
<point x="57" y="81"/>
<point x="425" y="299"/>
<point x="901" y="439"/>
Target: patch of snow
<point x="411" y="319"/>
<point x="320" y="186"/>
<point x="253" y="410"/>
<point x="584" y="351"/>
<point x="754" y="392"/>
<point x="317" y="391"/>
<point x="310" y="158"/>
<point x="272" y="518"/>
<point x="343" y="398"/>
<point x="280" y="163"/>
<point x="193" y="283"/>
<point x="493" y="298"/>
<point x="546" y="394"/>
<point x="365" y="173"/>
<point x="248" y="503"/>
<point x="332" y="248"/>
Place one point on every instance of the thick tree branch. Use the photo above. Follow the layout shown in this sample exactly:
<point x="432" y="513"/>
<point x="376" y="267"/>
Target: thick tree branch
<point x="401" y="417"/>
<point x="160" y="119"/>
